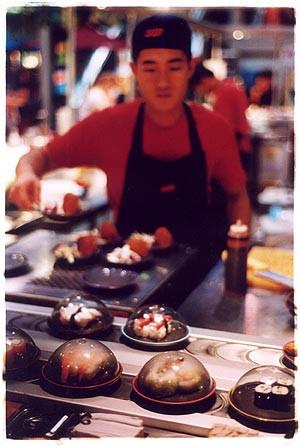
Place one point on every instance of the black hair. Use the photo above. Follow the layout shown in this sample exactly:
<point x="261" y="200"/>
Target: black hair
<point x="200" y="72"/>
<point x="264" y="73"/>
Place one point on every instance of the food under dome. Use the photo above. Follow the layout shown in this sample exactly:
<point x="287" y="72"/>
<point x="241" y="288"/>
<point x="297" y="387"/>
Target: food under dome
<point x="156" y="323"/>
<point x="80" y="315"/>
<point x="21" y="350"/>
<point x="266" y="393"/>
<point x="81" y="363"/>
<point x="174" y="373"/>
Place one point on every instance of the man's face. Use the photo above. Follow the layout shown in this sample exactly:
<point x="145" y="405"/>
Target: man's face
<point x="205" y="86"/>
<point x="162" y="76"/>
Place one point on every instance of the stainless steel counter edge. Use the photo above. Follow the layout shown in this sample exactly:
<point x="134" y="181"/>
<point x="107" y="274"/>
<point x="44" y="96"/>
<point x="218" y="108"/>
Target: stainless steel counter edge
<point x="194" y="424"/>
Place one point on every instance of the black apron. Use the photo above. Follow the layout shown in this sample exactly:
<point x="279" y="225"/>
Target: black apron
<point x="166" y="193"/>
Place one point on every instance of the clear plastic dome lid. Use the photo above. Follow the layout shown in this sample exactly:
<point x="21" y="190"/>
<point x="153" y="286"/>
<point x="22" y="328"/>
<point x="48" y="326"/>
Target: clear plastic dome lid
<point x="174" y="373"/>
<point x="266" y="375"/>
<point x="80" y="363"/>
<point x="156" y="323"/>
<point x="266" y="393"/>
<point x="21" y="350"/>
<point x="80" y="315"/>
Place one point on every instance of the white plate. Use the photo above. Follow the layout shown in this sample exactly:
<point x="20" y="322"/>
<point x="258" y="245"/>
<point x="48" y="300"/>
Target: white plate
<point x="265" y="356"/>
<point x="156" y="344"/>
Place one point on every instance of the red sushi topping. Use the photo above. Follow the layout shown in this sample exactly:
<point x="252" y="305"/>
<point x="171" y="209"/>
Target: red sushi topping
<point x="71" y="204"/>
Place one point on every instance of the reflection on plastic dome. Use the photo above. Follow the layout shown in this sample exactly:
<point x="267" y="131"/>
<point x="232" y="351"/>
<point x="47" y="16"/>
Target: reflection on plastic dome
<point x="156" y="323"/>
<point x="265" y="392"/>
<point x="79" y="314"/>
<point x="173" y="373"/>
<point x="81" y="362"/>
<point x="21" y="350"/>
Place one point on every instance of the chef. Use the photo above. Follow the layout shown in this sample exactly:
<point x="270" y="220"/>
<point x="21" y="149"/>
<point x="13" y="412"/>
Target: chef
<point x="160" y="155"/>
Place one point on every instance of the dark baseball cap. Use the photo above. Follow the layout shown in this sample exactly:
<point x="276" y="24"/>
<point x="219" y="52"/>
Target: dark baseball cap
<point x="161" y="31"/>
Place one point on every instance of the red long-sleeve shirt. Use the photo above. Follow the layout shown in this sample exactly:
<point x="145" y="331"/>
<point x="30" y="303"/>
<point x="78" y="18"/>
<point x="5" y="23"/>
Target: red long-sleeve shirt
<point x="104" y="139"/>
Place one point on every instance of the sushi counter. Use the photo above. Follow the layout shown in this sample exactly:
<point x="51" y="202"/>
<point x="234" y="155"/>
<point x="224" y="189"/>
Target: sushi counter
<point x="92" y="346"/>
<point x="229" y="362"/>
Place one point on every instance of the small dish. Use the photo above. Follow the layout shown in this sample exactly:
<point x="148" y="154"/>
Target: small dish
<point x="15" y="264"/>
<point x="67" y="254"/>
<point x="109" y="279"/>
<point x="57" y="216"/>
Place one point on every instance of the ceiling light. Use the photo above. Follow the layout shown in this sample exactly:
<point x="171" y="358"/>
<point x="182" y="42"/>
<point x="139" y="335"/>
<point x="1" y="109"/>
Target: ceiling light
<point x="238" y="34"/>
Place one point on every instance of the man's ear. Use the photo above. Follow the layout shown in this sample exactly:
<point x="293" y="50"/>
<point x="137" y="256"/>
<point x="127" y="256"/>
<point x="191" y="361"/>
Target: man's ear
<point x="193" y="63"/>
<point x="133" y="67"/>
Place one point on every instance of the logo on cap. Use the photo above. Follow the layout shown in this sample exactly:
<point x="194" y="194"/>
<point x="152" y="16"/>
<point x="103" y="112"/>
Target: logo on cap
<point x="153" y="32"/>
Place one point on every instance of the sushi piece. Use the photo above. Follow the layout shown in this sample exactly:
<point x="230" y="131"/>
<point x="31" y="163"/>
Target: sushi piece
<point x="163" y="237"/>
<point x="123" y="255"/>
<point x="71" y="204"/>
<point x="280" y="398"/>
<point x="79" y="365"/>
<point x="262" y="396"/>
<point x="290" y="349"/>
<point x="153" y="326"/>
<point x="66" y="313"/>
<point x="108" y="231"/>
<point x="139" y="246"/>
<point x="86" y="316"/>
<point x="289" y="383"/>
<point x="15" y="351"/>
<point x="87" y="245"/>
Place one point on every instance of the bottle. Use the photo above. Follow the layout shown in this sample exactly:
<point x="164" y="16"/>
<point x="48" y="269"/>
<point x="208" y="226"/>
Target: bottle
<point x="236" y="262"/>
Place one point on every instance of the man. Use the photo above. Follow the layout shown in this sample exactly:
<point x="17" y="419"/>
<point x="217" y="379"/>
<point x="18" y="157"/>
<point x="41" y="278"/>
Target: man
<point x="261" y="91"/>
<point x="229" y="100"/>
<point x="159" y="154"/>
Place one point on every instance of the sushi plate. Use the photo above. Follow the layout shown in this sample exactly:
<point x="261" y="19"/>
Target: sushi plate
<point x="61" y="216"/>
<point x="15" y="264"/>
<point x="94" y="329"/>
<point x="189" y="399"/>
<point x="241" y="399"/>
<point x="145" y="262"/>
<point x="110" y="279"/>
<point x="152" y="343"/>
<point x="289" y="360"/>
<point x="160" y="250"/>
<point x="78" y="261"/>
<point x="77" y="391"/>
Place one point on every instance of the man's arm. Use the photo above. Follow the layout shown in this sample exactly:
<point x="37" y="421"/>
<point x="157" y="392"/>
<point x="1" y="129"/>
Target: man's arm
<point x="26" y="189"/>
<point x="238" y="207"/>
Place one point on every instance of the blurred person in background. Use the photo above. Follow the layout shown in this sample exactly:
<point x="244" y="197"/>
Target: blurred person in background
<point x="104" y="93"/>
<point x="16" y="99"/>
<point x="159" y="153"/>
<point x="229" y="99"/>
<point x="261" y="91"/>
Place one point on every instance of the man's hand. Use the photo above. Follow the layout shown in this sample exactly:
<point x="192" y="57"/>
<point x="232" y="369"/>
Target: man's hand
<point x="25" y="192"/>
